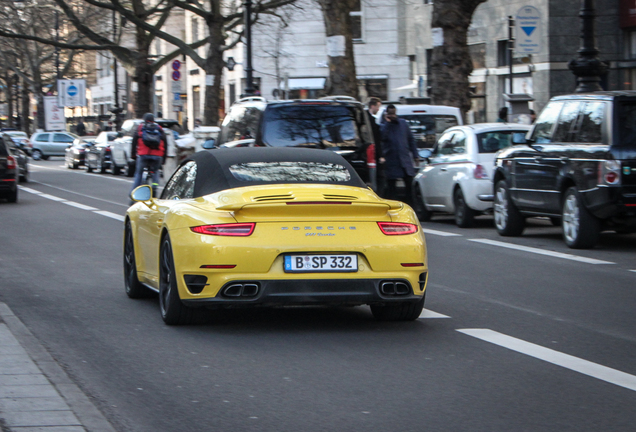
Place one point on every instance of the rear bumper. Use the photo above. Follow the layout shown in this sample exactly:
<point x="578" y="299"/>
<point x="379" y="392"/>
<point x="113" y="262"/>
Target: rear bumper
<point x="311" y="292"/>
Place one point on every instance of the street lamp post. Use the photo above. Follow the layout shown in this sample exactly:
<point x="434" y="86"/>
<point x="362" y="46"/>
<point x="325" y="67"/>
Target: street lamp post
<point x="249" y="85"/>
<point x="587" y="66"/>
<point x="117" y="111"/>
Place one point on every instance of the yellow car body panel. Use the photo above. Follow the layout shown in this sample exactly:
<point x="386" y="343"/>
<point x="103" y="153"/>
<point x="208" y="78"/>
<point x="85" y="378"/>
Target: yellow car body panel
<point x="295" y="218"/>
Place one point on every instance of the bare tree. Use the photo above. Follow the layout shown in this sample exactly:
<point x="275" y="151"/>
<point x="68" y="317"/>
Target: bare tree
<point x="342" y="66"/>
<point x="451" y="63"/>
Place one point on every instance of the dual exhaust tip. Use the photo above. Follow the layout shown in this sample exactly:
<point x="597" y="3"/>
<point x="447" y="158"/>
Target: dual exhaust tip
<point x="241" y="290"/>
<point x="394" y="288"/>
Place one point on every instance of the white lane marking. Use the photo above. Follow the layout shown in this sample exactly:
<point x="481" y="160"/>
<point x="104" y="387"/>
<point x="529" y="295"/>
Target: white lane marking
<point x="127" y="180"/>
<point x="29" y="190"/>
<point x="567" y="361"/>
<point x="440" y="233"/>
<point x="426" y="313"/>
<point x="82" y="195"/>
<point x="541" y="251"/>
<point x="79" y="206"/>
<point x="633" y="271"/>
<point x="111" y="215"/>
<point x="52" y="197"/>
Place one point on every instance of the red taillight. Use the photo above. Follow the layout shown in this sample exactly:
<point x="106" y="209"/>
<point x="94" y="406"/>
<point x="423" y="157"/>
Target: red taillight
<point x="316" y="202"/>
<point x="237" y="229"/>
<point x="11" y="162"/>
<point x="480" y="172"/>
<point x="397" y="228"/>
<point x="218" y="266"/>
<point x="611" y="177"/>
<point x="107" y="148"/>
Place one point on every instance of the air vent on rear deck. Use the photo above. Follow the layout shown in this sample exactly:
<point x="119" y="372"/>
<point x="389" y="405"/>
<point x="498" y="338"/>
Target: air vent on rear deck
<point x="284" y="197"/>
<point x="339" y="197"/>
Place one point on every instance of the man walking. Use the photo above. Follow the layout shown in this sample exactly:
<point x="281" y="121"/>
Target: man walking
<point x="399" y="151"/>
<point x="374" y="107"/>
<point x="149" y="143"/>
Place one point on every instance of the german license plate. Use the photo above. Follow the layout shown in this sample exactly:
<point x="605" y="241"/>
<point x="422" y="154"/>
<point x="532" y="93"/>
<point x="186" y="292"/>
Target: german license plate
<point x="321" y="263"/>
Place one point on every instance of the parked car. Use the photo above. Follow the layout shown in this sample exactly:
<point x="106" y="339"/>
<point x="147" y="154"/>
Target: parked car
<point x="75" y="154"/>
<point x="335" y="123"/>
<point x="121" y="149"/>
<point x="20" y="156"/>
<point x="579" y="166"/>
<point x="457" y="176"/>
<point x="427" y="122"/>
<point x="9" y="172"/>
<point x="47" y="144"/>
<point x="21" y="139"/>
<point x="98" y="155"/>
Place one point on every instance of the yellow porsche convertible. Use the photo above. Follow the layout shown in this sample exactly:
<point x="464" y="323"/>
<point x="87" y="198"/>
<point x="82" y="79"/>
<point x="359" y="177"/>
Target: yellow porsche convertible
<point x="272" y="227"/>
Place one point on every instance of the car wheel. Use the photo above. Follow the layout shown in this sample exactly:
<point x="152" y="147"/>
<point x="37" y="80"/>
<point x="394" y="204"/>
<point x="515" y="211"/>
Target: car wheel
<point x="580" y="228"/>
<point x="173" y="311"/>
<point x="508" y="220"/>
<point x="45" y="157"/>
<point x="130" y="170"/>
<point x="89" y="168"/>
<point x="116" y="170"/>
<point x="24" y="178"/>
<point x="404" y="311"/>
<point x="418" y="205"/>
<point x="101" y="167"/>
<point x="12" y="197"/>
<point x="134" y="288"/>
<point x="464" y="215"/>
<point x="36" y="154"/>
<point x="75" y="165"/>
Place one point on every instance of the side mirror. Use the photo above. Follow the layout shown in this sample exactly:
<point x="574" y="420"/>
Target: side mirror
<point x="209" y="144"/>
<point x="141" y="194"/>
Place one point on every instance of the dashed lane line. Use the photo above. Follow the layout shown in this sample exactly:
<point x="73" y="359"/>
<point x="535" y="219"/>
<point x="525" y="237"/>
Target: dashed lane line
<point x="427" y="313"/>
<point x="440" y="233"/>
<point x="75" y="204"/>
<point x="567" y="361"/>
<point x="541" y="251"/>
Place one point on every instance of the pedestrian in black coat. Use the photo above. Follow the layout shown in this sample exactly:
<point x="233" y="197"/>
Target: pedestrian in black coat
<point x="374" y="107"/>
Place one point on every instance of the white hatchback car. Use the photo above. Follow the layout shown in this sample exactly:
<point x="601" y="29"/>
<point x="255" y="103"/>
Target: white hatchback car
<point x="457" y="177"/>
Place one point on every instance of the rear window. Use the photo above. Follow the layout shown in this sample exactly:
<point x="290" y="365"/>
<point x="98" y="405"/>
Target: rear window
<point x="240" y="123"/>
<point x="312" y="125"/>
<point x="290" y="172"/>
<point x="492" y="142"/>
<point x="427" y="128"/>
<point x="627" y="124"/>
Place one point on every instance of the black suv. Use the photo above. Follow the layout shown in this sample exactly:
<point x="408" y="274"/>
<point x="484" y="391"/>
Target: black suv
<point x="336" y="123"/>
<point x="578" y="168"/>
<point x="9" y="172"/>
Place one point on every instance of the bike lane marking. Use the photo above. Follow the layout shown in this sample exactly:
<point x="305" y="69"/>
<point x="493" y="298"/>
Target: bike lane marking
<point x="558" y="358"/>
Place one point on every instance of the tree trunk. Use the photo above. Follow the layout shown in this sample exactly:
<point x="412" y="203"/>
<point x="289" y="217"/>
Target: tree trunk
<point x="26" y="108"/>
<point x="342" y="66"/>
<point x="213" y="66"/>
<point x="451" y="63"/>
<point x="8" y="95"/>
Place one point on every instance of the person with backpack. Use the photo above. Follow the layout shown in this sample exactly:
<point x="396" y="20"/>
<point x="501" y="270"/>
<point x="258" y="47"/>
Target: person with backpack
<point x="149" y="146"/>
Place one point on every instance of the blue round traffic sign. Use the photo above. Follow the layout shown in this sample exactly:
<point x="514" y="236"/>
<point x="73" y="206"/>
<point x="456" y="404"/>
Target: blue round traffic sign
<point x="176" y="65"/>
<point x="176" y="75"/>
<point x="72" y="90"/>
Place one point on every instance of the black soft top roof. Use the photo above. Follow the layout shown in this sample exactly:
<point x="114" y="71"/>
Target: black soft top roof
<point x="213" y="167"/>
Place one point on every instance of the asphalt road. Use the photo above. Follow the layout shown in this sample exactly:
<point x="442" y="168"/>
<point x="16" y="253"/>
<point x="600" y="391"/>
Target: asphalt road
<point x="521" y="334"/>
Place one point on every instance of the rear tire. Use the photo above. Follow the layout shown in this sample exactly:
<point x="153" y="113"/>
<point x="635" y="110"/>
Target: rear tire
<point x="418" y="205"/>
<point x="24" y="178"/>
<point x="508" y="220"/>
<point x="464" y="215"/>
<point x="101" y="167"/>
<point x="134" y="288"/>
<point x="116" y="170"/>
<point x="173" y="311"/>
<point x="130" y="170"/>
<point x="404" y="311"/>
<point x="12" y="197"/>
<point x="581" y="229"/>
<point x="36" y="154"/>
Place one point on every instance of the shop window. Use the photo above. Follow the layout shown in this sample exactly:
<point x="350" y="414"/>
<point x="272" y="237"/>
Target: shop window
<point x="373" y="87"/>
<point x="356" y="22"/>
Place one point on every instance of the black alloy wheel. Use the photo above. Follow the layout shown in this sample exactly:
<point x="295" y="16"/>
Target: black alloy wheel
<point x="403" y="311"/>
<point x="115" y="169"/>
<point x="134" y="288"/>
<point x="509" y="222"/>
<point x="36" y="155"/>
<point x="464" y="215"/>
<point x="173" y="311"/>
<point x="418" y="205"/>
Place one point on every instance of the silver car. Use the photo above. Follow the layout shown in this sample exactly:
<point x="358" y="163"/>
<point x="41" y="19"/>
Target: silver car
<point x="46" y="144"/>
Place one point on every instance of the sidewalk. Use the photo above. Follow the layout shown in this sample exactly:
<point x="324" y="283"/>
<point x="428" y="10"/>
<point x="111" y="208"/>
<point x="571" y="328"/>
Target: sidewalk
<point x="36" y="395"/>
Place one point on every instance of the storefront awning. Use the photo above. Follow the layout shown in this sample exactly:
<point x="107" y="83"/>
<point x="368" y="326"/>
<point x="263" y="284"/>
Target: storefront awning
<point x="306" y="83"/>
<point x="412" y="86"/>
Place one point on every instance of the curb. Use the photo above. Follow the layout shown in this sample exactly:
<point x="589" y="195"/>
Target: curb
<point x="89" y="417"/>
